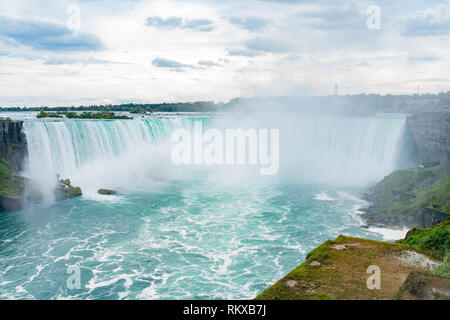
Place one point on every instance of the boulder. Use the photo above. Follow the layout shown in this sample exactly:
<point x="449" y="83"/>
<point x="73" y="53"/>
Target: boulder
<point x="65" y="190"/>
<point x="74" y="192"/>
<point x="106" y="192"/>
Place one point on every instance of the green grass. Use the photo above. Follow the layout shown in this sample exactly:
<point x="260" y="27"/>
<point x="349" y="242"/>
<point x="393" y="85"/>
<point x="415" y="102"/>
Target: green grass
<point x="325" y="282"/>
<point x="4" y="167"/>
<point x="433" y="241"/>
<point x="402" y="196"/>
<point x="444" y="269"/>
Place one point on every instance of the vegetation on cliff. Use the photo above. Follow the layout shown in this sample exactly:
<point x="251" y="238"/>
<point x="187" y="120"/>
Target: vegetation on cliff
<point x="434" y="241"/>
<point x="12" y="154"/>
<point x="12" y="144"/>
<point x="412" y="197"/>
<point x="444" y="269"/>
<point x="338" y="269"/>
<point x="10" y="184"/>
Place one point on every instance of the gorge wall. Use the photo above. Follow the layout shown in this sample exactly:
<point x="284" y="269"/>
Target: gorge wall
<point x="12" y="157"/>
<point x="431" y="135"/>
<point x="12" y="144"/>
<point x="420" y="195"/>
<point x="16" y="191"/>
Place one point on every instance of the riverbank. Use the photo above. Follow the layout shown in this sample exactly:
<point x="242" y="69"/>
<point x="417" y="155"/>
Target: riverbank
<point x="273" y="223"/>
<point x="417" y="197"/>
<point x="413" y="197"/>
<point x="417" y="267"/>
<point x="342" y="268"/>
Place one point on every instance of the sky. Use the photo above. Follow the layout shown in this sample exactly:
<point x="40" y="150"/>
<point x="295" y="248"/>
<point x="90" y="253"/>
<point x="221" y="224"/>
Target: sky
<point x="64" y="53"/>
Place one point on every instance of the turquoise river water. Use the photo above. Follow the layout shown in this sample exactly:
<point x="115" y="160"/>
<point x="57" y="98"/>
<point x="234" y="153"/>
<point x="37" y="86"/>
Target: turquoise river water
<point x="186" y="232"/>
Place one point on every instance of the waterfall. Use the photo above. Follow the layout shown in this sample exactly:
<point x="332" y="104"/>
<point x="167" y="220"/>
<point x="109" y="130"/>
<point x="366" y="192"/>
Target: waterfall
<point x="91" y="151"/>
<point x="130" y="153"/>
<point x="344" y="150"/>
<point x="335" y="149"/>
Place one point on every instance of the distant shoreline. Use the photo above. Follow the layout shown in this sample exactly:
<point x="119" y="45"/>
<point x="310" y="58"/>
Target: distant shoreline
<point x="356" y="104"/>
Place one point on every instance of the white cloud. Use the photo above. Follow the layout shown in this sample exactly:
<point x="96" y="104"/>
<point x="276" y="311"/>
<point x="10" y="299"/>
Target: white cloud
<point x="225" y="49"/>
<point x="432" y="21"/>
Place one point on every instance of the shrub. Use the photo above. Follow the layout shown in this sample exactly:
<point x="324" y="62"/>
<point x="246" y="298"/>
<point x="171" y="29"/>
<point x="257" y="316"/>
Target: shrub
<point x="444" y="269"/>
<point x="434" y="240"/>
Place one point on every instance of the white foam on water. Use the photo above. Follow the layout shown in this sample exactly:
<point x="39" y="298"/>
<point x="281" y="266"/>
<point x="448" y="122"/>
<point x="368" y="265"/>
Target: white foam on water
<point x="104" y="198"/>
<point x="323" y="197"/>
<point x="185" y="242"/>
<point x="149" y="293"/>
<point x="390" y="234"/>
<point x="348" y="196"/>
<point x="132" y="154"/>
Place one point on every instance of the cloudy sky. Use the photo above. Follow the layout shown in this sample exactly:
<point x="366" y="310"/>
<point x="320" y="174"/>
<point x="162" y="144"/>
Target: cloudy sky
<point x="58" y="52"/>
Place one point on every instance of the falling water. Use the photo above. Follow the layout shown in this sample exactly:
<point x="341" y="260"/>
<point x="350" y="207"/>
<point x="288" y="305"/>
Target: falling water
<point x="346" y="150"/>
<point x="172" y="234"/>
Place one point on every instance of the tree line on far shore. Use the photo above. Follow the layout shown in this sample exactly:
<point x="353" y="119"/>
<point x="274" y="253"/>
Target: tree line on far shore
<point x="359" y="103"/>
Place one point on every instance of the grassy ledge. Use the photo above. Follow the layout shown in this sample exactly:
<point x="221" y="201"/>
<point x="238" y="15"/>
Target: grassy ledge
<point x="337" y="269"/>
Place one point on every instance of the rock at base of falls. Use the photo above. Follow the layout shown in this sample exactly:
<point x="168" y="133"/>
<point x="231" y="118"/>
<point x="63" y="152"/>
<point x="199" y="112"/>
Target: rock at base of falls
<point x="65" y="190"/>
<point x="10" y="203"/>
<point x="106" y="192"/>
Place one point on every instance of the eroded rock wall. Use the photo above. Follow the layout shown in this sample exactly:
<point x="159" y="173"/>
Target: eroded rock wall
<point x="12" y="143"/>
<point x="431" y="135"/>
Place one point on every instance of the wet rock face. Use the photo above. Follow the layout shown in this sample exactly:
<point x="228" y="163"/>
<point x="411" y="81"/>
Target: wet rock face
<point x="431" y="134"/>
<point x="12" y="143"/>
<point x="431" y="217"/>
<point x="12" y="158"/>
<point x="11" y="203"/>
